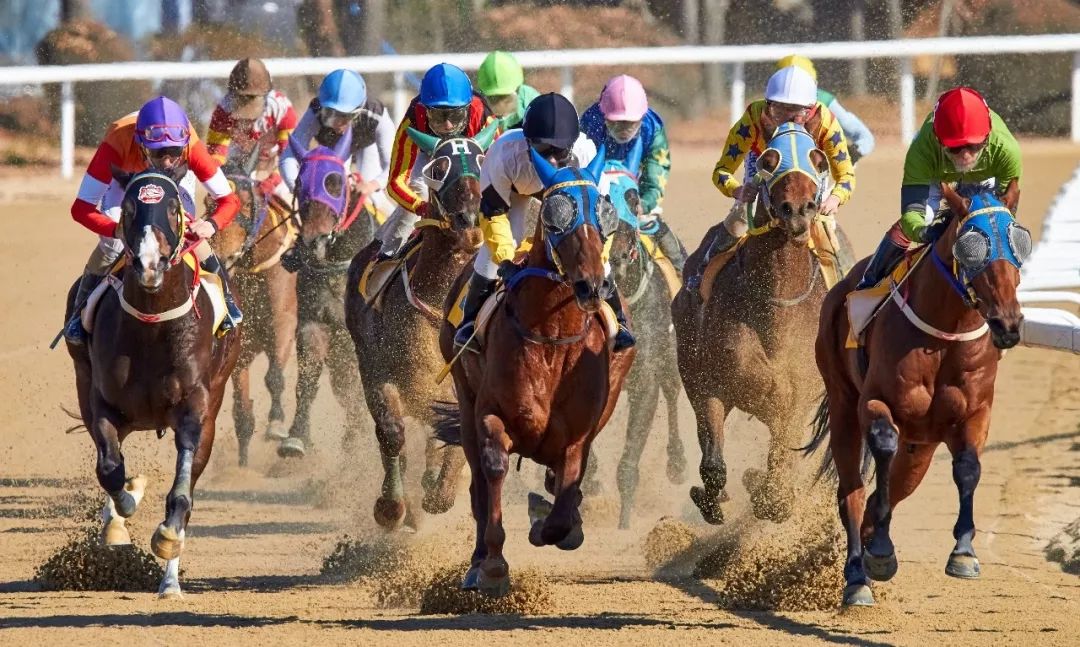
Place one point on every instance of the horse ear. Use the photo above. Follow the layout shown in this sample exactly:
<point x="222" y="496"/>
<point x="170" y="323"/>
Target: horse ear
<point x="122" y="178"/>
<point x="343" y="145"/>
<point x="769" y="160"/>
<point x="487" y="135"/>
<point x="596" y="167"/>
<point x="820" y="162"/>
<point x="633" y="200"/>
<point x="426" y="142"/>
<point x="957" y="204"/>
<point x="544" y="170"/>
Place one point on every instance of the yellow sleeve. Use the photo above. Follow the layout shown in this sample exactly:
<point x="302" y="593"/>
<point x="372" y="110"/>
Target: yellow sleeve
<point x="736" y="146"/>
<point x="833" y="142"/>
<point x="498" y="237"/>
<point x="607" y="249"/>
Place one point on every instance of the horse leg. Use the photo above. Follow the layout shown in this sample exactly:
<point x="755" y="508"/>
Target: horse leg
<point x="281" y="291"/>
<point x="846" y="444"/>
<point x="478" y="494"/>
<point x="312" y="346"/>
<point x="772" y="493"/>
<point x="440" y="489"/>
<point x="966" y="470"/>
<point x="562" y="525"/>
<point x="275" y="384"/>
<point x="676" y="452"/>
<point x="124" y="493"/>
<point x="243" y="408"/>
<point x="493" y="444"/>
<point x="710" y="416"/>
<point x="345" y="382"/>
<point x="643" y="395"/>
<point x="384" y="403"/>
<point x="882" y="437"/>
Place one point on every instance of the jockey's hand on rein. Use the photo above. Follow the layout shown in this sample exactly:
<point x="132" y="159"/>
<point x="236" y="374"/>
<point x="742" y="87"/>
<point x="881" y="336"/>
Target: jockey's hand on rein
<point x="829" y="206"/>
<point x="507" y="270"/>
<point x="202" y="228"/>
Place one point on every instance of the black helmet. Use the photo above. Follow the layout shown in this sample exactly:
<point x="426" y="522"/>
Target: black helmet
<point x="551" y="119"/>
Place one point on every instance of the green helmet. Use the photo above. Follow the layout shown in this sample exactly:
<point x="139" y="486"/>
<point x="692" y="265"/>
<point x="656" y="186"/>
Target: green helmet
<point x="500" y="73"/>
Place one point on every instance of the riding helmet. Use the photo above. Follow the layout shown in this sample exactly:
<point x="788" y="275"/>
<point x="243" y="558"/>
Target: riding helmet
<point x="623" y="99"/>
<point x="551" y="119"/>
<point x="499" y="74"/>
<point x="797" y="61"/>
<point x="445" y="86"/>
<point x="342" y="90"/>
<point x="792" y="85"/>
<point x="961" y="117"/>
<point x="166" y="119"/>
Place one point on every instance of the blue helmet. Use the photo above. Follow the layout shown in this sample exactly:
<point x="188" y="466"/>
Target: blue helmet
<point x="445" y="86"/>
<point x="342" y="90"/>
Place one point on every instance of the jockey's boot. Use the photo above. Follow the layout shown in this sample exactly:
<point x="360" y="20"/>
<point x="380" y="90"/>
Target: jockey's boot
<point x="74" y="332"/>
<point x="233" y="314"/>
<point x="480" y="288"/>
<point x="723" y="241"/>
<point x="885" y="258"/>
<point x="671" y="246"/>
<point x="624" y="338"/>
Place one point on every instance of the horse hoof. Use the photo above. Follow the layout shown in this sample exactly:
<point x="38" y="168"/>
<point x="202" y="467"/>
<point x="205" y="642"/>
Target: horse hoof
<point x="494" y="580"/>
<point x="115" y="533"/>
<point x="539" y="509"/>
<point x="276" y="431"/>
<point x="858" y="595"/>
<point x="753" y="480"/>
<point x="166" y="543"/>
<point x="471" y="581"/>
<point x="965" y="567"/>
<point x="389" y="513"/>
<point x="434" y="503"/>
<point x="709" y="506"/>
<point x="536" y="534"/>
<point x="880" y="569"/>
<point x="291" y="448"/>
<point x="170" y="592"/>
<point x="573" y="540"/>
<point x="136" y="486"/>
<point x="676" y="470"/>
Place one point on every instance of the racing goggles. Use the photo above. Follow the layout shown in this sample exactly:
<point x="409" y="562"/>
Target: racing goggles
<point x="335" y="118"/>
<point x="161" y="133"/>
<point x="970" y="148"/>
<point x="622" y="131"/>
<point x="551" y="152"/>
<point x="456" y="117"/>
<point x="786" y="111"/>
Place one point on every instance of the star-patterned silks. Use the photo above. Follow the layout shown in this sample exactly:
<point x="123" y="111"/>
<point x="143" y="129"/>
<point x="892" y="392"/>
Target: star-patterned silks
<point x="733" y="151"/>
<point x="744" y="131"/>
<point x="841" y="156"/>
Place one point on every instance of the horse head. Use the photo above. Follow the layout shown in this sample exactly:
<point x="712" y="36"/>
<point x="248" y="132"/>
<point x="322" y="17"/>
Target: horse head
<point x="153" y="224"/>
<point x="986" y="248"/>
<point x="619" y="183"/>
<point x="232" y="242"/>
<point x="453" y="178"/>
<point x="794" y="171"/>
<point x="577" y="221"/>
<point x="321" y="192"/>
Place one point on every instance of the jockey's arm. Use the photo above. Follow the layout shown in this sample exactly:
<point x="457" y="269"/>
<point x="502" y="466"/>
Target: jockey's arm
<point x="373" y="161"/>
<point x="219" y="135"/>
<point x="495" y="220"/>
<point x="84" y="210"/>
<point x="737" y="144"/>
<point x="227" y="203"/>
<point x="403" y="154"/>
<point x="854" y="129"/>
<point x="835" y="146"/>
<point x="289" y="165"/>
<point x="655" y="170"/>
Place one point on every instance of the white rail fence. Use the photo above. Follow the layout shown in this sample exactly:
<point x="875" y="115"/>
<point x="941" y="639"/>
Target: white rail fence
<point x="566" y="60"/>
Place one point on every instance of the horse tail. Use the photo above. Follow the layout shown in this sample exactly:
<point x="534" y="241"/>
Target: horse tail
<point x="71" y="414"/>
<point x="447" y="422"/>
<point x="820" y="427"/>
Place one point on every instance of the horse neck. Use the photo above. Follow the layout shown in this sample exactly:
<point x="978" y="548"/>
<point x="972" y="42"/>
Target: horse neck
<point x="270" y="237"/>
<point x="781" y="267"/>
<point x="437" y="264"/>
<point x="933" y="298"/>
<point x="175" y="290"/>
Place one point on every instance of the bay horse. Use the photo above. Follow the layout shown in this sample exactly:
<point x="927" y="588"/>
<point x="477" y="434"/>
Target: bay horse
<point x="546" y="379"/>
<point x="747" y="345"/>
<point x="252" y="247"/>
<point x="334" y="226"/>
<point x="924" y="376"/>
<point x="655" y="369"/>
<point x="396" y="333"/>
<point x="153" y="362"/>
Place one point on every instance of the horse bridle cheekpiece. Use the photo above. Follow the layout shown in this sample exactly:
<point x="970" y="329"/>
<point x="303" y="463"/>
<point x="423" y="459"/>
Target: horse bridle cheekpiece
<point x="571" y="199"/>
<point x="153" y="190"/>
<point x="463" y="155"/>
<point x="989" y="233"/>
<point x="794" y="145"/>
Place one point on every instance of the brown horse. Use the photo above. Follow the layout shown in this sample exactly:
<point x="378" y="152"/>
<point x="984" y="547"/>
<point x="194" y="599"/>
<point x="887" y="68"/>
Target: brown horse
<point x="252" y="246"/>
<point x="332" y="230"/>
<point x="153" y="362"/>
<point x="546" y="381"/>
<point x="396" y="333"/>
<point x="925" y="376"/>
<point x="747" y="345"/>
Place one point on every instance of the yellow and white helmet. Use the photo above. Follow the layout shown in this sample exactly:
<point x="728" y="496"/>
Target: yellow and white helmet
<point x="797" y="61"/>
<point x="792" y="85"/>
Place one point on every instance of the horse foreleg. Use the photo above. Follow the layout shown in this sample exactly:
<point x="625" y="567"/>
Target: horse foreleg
<point x="676" y="452"/>
<point x="345" y="382"/>
<point x="966" y="470"/>
<point x="882" y="438"/>
<point x="243" y="408"/>
<point x="562" y="525"/>
<point x="281" y="291"/>
<point x="312" y="345"/>
<point x="478" y="494"/>
<point x="644" y="393"/>
<point x="710" y="414"/>
<point x="493" y="444"/>
<point x="846" y="445"/>
<point x="384" y="403"/>
<point x="106" y="429"/>
<point x="275" y="385"/>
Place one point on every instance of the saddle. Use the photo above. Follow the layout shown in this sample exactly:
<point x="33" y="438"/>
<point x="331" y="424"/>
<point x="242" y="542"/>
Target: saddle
<point x="207" y="281"/>
<point x="377" y="275"/>
<point x="863" y="305"/>
<point x="823" y="245"/>
<point x="663" y="263"/>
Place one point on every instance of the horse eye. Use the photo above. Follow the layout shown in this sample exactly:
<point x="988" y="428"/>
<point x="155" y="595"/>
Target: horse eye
<point x="972" y="250"/>
<point x="1020" y="242"/>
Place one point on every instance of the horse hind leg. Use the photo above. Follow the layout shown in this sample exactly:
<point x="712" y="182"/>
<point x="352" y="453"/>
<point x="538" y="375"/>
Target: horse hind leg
<point x="494" y="572"/>
<point x="966" y="471"/>
<point x="384" y="403"/>
<point x="110" y="461"/>
<point x="346" y="385"/>
<point x="846" y="445"/>
<point x="440" y="480"/>
<point x="243" y="410"/>
<point x="644" y="396"/>
<point x="710" y="416"/>
<point x="560" y="523"/>
<point x="882" y="438"/>
<point x="312" y="345"/>
<point x="676" y="451"/>
<point x="114" y="531"/>
<point x="275" y="384"/>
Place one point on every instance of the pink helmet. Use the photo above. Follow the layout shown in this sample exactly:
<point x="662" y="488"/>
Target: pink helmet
<point x="623" y="99"/>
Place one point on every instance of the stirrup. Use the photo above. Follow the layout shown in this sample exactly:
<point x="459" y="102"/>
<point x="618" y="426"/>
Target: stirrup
<point x="465" y="336"/>
<point x="74" y="333"/>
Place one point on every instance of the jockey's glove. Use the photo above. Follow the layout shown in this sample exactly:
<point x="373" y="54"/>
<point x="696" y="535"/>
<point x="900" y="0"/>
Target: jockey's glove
<point x="507" y="270"/>
<point x="290" y="260"/>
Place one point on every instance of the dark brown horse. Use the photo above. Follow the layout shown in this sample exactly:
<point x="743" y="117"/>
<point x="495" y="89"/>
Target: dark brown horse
<point x="252" y="246"/>
<point x="747" y="346"/>
<point x="153" y="362"/>
<point x="546" y="380"/>
<point x="332" y="231"/>
<point x="925" y="376"/>
<point x="396" y="334"/>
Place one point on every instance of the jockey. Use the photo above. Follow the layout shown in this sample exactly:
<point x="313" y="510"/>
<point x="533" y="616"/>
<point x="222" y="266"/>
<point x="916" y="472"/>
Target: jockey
<point x="159" y="138"/>
<point x="447" y="106"/>
<point x="343" y="103"/>
<point x="509" y="183"/>
<point x="790" y="95"/>
<point x="962" y="141"/>
<point x="502" y="82"/>
<point x="860" y="139"/>
<point x="251" y="126"/>
<point x="617" y="120"/>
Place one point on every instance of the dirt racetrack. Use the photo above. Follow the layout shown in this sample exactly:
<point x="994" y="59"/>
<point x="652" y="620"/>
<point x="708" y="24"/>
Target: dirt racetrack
<point x="258" y="535"/>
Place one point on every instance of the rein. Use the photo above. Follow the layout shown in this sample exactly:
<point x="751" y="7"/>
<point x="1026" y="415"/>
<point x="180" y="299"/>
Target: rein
<point x="814" y="267"/>
<point x="529" y="335"/>
<point x="646" y="272"/>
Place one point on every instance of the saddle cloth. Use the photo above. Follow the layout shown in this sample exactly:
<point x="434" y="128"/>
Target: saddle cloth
<point x="823" y="244"/>
<point x="377" y="275"/>
<point x="863" y="305"/>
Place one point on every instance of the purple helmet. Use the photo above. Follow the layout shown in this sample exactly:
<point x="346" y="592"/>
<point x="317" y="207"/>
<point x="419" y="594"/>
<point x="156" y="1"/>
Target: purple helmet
<point x="162" y="123"/>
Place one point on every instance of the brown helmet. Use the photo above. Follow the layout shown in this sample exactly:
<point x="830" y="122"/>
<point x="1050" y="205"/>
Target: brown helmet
<point x="248" y="81"/>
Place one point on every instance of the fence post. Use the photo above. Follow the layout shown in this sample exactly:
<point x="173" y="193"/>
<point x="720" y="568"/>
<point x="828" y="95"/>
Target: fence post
<point x="401" y="102"/>
<point x="1076" y="97"/>
<point x="907" y="102"/>
<point x="567" y="89"/>
<point x="67" y="129"/>
<point x="738" y="90"/>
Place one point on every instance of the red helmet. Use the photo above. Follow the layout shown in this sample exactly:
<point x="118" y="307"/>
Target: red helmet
<point x="961" y="117"/>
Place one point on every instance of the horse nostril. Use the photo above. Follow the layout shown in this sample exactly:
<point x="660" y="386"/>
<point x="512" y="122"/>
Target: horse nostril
<point x="582" y="290"/>
<point x="606" y="289"/>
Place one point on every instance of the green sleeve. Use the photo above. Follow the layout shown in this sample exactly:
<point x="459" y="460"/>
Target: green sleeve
<point x="655" y="169"/>
<point x="1006" y="165"/>
<point x="922" y="168"/>
<point x="525" y="94"/>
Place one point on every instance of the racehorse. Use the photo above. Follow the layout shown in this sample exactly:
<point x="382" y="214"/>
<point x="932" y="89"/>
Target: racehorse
<point x="153" y="362"/>
<point x="396" y="331"/>
<point x="924" y="376"/>
<point x="332" y="230"/>
<point x="546" y="379"/>
<point x="655" y="369"/>
<point x="746" y="345"/>
<point x="252" y="246"/>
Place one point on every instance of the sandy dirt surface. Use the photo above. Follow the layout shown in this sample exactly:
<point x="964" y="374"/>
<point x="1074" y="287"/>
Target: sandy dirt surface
<point x="258" y="535"/>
